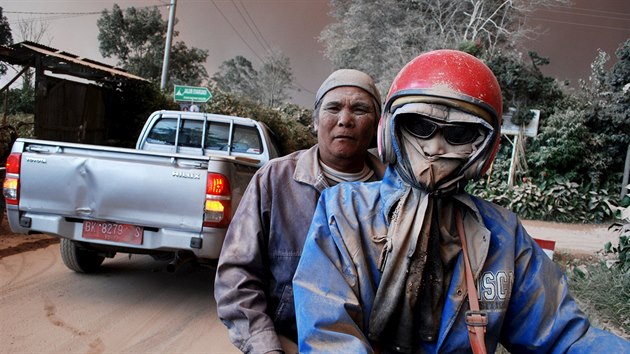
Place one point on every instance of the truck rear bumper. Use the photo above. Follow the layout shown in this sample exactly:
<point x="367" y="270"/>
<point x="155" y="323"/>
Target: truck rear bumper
<point x="206" y="245"/>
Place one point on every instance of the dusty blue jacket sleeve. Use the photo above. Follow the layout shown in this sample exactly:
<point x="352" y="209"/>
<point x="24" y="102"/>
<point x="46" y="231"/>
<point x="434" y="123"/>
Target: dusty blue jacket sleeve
<point x="542" y="316"/>
<point x="325" y="289"/>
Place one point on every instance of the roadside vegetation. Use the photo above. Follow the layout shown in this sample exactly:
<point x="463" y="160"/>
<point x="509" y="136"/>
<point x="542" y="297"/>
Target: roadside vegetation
<point x="603" y="293"/>
<point x="601" y="283"/>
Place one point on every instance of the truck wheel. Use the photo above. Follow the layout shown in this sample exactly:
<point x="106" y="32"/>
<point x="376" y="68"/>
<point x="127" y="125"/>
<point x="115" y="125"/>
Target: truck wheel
<point x="79" y="259"/>
<point x="3" y="207"/>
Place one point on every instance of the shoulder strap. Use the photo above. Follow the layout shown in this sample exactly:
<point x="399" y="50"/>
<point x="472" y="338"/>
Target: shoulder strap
<point x="476" y="320"/>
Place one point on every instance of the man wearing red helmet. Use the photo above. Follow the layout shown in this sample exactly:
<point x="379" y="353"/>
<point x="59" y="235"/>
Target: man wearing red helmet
<point x="414" y="264"/>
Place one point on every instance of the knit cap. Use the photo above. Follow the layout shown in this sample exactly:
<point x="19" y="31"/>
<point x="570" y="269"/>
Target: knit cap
<point x="349" y="77"/>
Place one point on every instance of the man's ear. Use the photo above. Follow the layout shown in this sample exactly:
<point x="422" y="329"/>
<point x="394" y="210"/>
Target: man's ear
<point x="316" y="116"/>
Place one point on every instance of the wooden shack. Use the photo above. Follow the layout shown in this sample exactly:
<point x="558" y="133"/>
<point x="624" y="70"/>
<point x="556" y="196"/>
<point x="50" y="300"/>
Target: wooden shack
<point x="76" y="99"/>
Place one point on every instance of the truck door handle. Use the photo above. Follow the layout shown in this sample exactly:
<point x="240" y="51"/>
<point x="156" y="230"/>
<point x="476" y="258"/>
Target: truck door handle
<point x="192" y="164"/>
<point x="42" y="149"/>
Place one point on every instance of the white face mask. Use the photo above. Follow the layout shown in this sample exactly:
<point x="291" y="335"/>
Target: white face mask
<point x="434" y="160"/>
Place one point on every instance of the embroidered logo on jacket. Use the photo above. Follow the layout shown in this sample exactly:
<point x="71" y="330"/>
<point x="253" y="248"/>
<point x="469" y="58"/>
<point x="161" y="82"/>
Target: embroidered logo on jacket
<point x="495" y="289"/>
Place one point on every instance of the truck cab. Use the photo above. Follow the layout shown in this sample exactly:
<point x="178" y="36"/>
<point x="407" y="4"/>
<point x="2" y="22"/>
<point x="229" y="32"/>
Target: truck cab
<point x="195" y="133"/>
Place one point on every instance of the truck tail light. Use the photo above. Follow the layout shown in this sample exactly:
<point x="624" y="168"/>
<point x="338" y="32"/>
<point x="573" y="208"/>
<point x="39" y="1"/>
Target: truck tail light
<point x="218" y="204"/>
<point x="11" y="185"/>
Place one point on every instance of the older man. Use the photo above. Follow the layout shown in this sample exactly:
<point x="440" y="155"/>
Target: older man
<point x="264" y="242"/>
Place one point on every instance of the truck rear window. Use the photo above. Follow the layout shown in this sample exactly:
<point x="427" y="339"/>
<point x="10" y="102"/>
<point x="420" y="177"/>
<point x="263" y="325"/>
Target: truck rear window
<point x="163" y="132"/>
<point x="245" y="139"/>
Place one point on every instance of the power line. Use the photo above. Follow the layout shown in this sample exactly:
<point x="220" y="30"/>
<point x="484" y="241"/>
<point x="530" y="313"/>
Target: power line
<point x="58" y="15"/>
<point x="236" y="31"/>
<point x="50" y="18"/>
<point x="257" y="33"/>
<point x="580" y="24"/>
<point x="52" y="13"/>
<point x="265" y="46"/>
<point x="250" y="27"/>
<point x="590" y="10"/>
<point x="72" y="13"/>
<point x="589" y="15"/>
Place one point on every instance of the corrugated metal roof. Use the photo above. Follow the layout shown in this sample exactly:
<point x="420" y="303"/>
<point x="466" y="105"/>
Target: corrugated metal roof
<point x="61" y="62"/>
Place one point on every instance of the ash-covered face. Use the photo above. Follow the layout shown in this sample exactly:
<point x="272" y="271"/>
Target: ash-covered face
<point x="345" y="127"/>
<point x="436" y="150"/>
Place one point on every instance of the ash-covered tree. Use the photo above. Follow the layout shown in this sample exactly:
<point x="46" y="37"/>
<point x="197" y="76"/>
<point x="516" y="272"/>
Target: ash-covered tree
<point x="275" y="79"/>
<point x="379" y="37"/>
<point x="23" y="100"/>
<point x="20" y="100"/>
<point x="586" y="140"/>
<point x="620" y="74"/>
<point x="5" y="37"/>
<point x="237" y="76"/>
<point x="269" y="85"/>
<point x="137" y="37"/>
<point x="524" y="86"/>
<point x="37" y="32"/>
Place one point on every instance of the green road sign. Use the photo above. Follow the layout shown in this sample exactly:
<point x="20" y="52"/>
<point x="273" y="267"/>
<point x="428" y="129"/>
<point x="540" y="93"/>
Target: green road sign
<point x="192" y="94"/>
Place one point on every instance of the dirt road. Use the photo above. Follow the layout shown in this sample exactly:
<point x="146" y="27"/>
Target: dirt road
<point x="573" y="238"/>
<point x="132" y="306"/>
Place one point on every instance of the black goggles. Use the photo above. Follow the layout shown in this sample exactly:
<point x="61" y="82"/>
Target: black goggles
<point x="453" y="133"/>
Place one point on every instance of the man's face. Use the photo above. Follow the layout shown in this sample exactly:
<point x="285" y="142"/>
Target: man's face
<point x="345" y="128"/>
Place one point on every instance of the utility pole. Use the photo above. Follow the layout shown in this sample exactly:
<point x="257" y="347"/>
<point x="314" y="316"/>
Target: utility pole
<point x="626" y="175"/>
<point x="167" y="47"/>
<point x="513" y="162"/>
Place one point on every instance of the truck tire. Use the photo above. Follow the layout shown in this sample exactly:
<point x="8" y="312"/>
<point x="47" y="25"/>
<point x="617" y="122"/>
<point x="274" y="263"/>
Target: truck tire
<point x="3" y="207"/>
<point x="3" y="204"/>
<point x="79" y="259"/>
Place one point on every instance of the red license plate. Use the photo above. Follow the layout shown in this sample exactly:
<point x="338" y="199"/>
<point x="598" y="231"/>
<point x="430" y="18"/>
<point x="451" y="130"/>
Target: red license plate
<point x="109" y="231"/>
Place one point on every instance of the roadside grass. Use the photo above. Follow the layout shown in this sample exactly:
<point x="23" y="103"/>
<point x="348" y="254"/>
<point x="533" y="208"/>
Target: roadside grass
<point x="602" y="293"/>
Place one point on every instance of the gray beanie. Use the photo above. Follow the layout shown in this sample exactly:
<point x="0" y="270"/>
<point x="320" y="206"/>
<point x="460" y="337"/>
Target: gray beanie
<point x="350" y="77"/>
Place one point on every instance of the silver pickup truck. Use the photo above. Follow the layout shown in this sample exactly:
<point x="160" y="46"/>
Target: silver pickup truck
<point x="171" y="197"/>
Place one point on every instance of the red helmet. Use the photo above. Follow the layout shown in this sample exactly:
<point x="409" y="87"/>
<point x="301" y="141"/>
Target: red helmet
<point x="451" y="78"/>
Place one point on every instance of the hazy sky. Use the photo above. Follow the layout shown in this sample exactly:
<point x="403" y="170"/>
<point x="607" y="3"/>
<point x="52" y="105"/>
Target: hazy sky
<point x="220" y="26"/>
<point x="249" y="27"/>
<point x="573" y="35"/>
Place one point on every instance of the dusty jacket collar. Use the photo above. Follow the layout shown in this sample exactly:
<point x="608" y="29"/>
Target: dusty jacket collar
<point x="393" y="188"/>
<point x="308" y="170"/>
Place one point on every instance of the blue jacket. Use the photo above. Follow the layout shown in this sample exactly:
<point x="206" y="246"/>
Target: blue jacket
<point x="524" y="293"/>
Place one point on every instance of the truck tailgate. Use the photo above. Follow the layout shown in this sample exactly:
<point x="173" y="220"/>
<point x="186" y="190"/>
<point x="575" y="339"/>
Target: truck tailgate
<point x="124" y="187"/>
